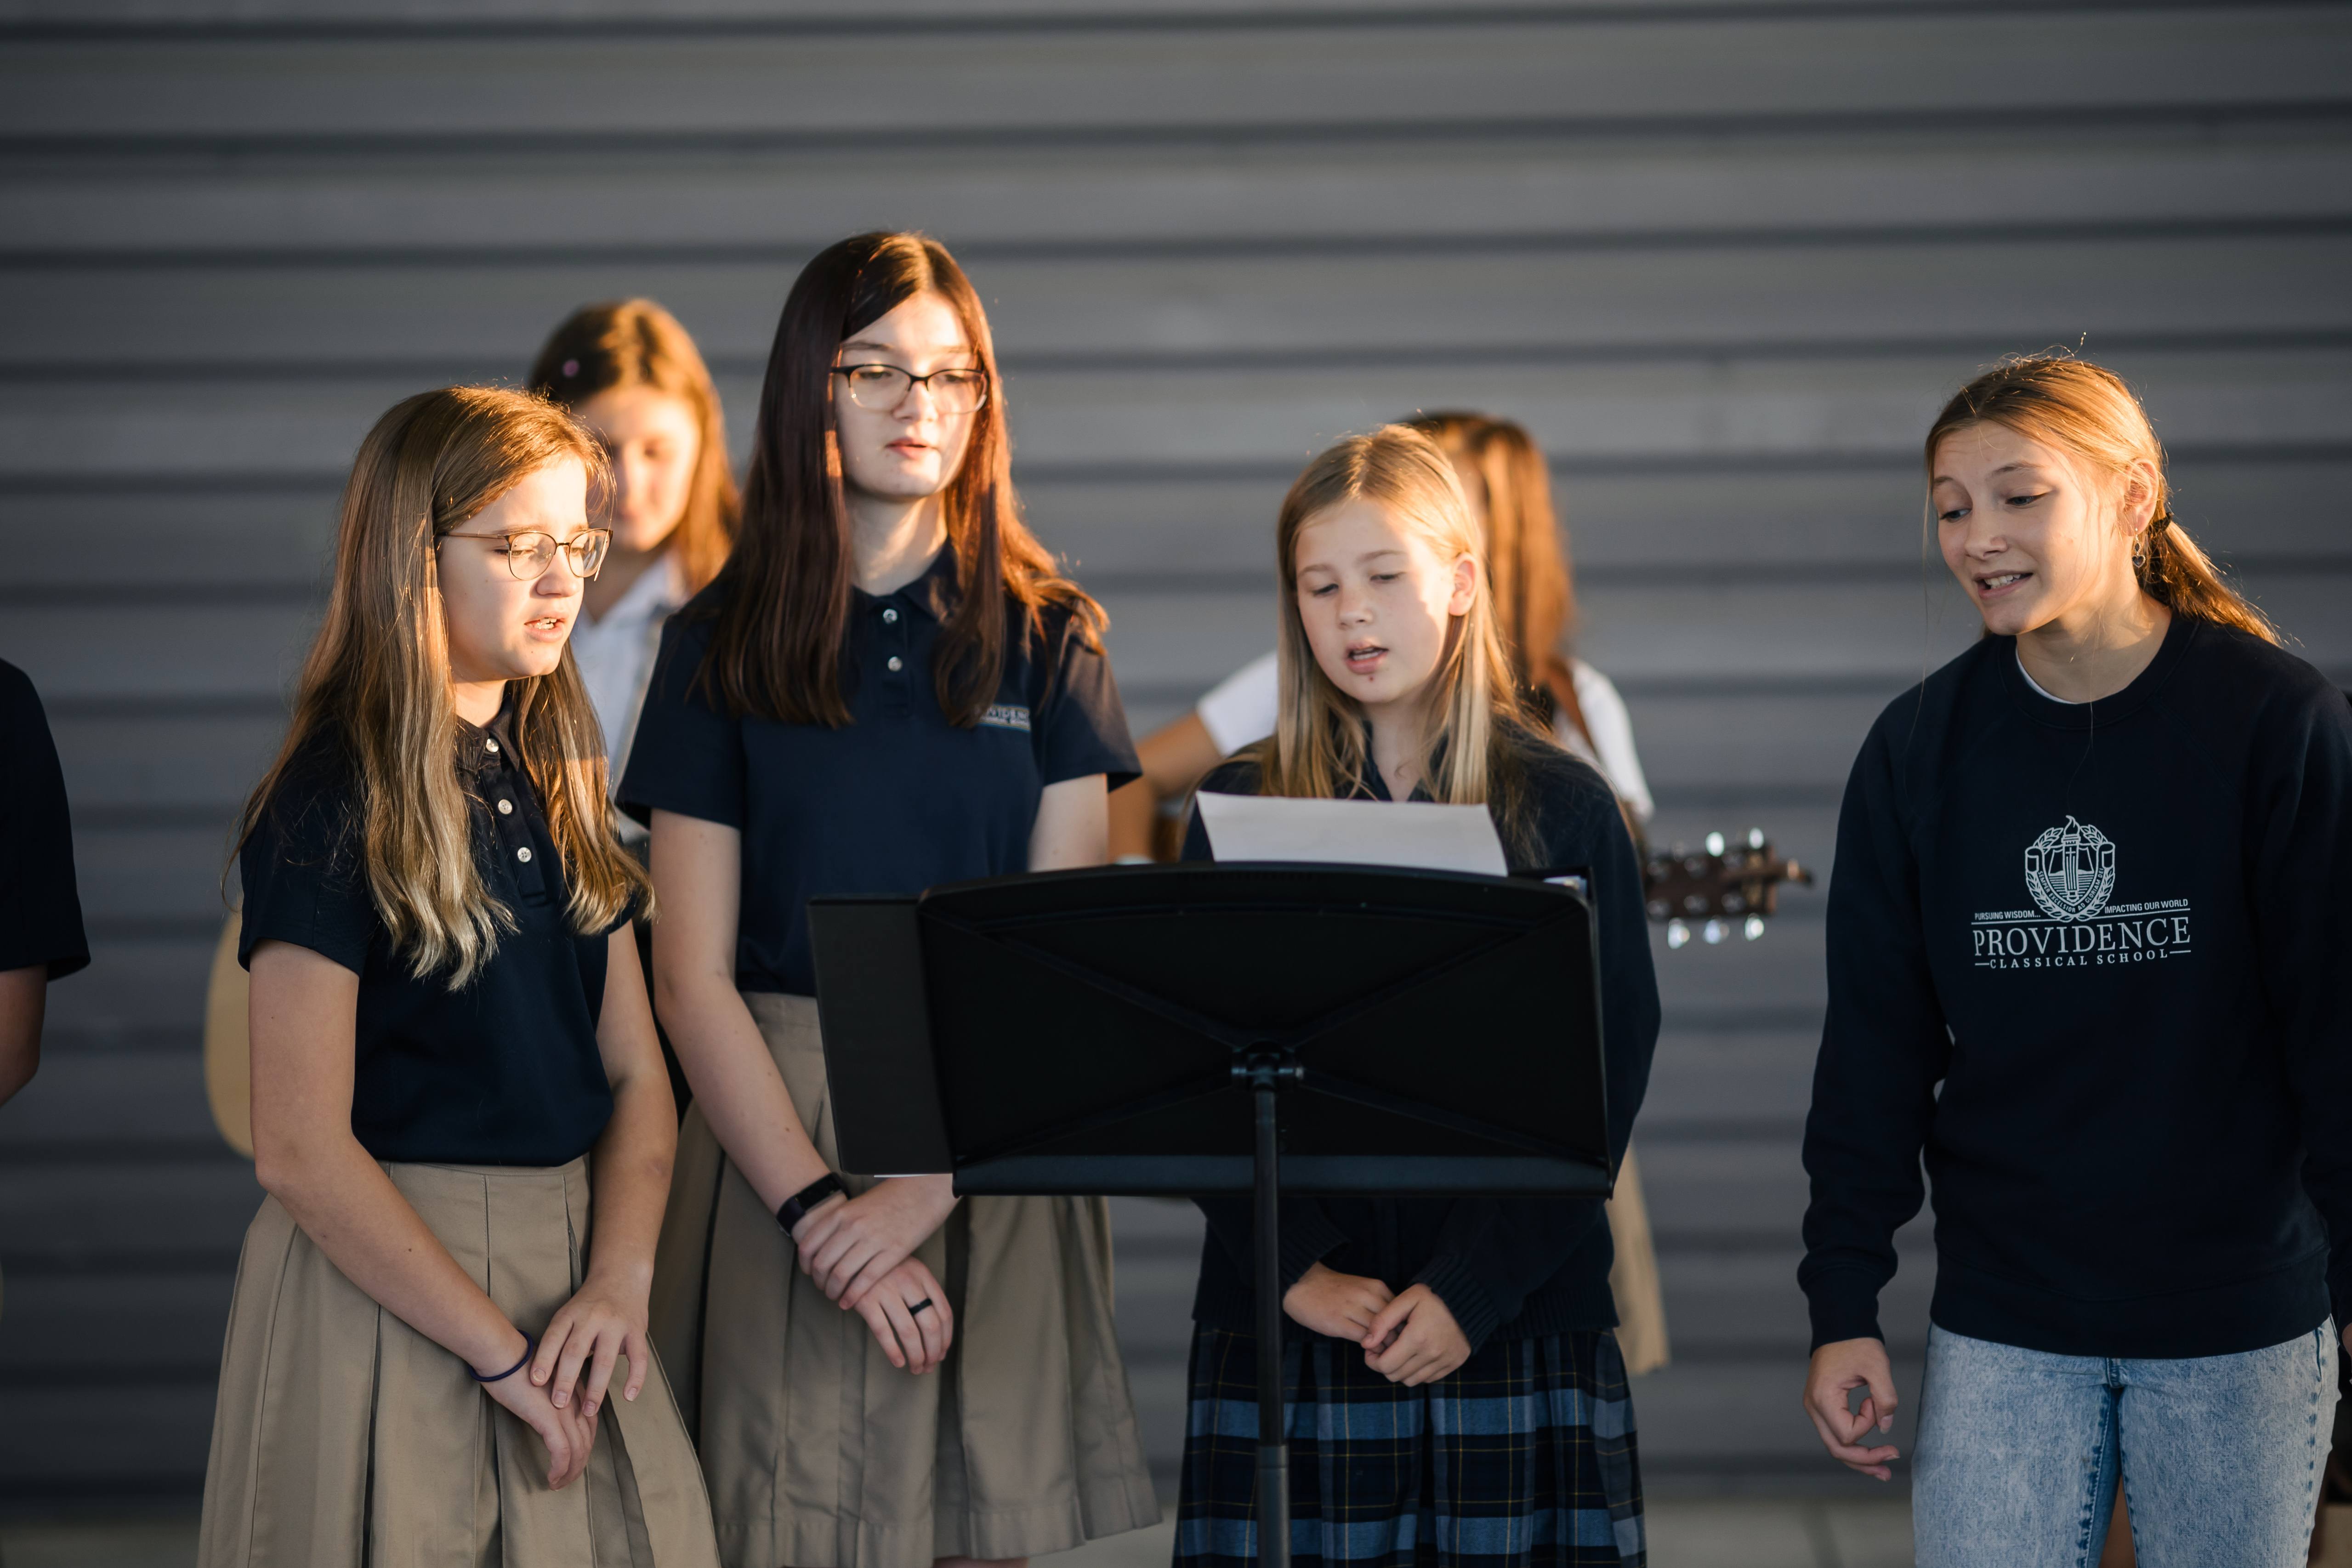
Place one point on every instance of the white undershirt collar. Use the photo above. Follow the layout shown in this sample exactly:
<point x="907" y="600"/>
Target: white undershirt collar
<point x="2037" y="685"/>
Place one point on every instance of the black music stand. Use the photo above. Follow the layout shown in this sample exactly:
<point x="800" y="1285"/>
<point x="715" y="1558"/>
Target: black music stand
<point x="1204" y="1028"/>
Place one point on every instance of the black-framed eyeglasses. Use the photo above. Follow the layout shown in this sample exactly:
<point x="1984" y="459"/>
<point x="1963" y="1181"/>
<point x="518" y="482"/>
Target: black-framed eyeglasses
<point x="885" y="386"/>
<point x="530" y="552"/>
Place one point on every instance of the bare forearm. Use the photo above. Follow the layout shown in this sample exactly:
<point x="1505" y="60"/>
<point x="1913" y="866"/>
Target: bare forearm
<point x="345" y="1203"/>
<point x="629" y="1176"/>
<point x="24" y="999"/>
<point x="737" y="1085"/>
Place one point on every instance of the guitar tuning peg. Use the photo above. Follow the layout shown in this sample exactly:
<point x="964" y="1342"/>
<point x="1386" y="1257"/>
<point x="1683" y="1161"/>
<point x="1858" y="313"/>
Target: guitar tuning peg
<point x="1714" y="843"/>
<point x="1714" y="931"/>
<point x="1677" y="933"/>
<point x="1754" y="927"/>
<point x="1756" y="838"/>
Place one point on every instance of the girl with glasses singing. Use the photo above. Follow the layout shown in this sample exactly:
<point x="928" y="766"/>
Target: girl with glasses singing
<point x="1456" y="1392"/>
<point x="437" y="1347"/>
<point x="888" y="686"/>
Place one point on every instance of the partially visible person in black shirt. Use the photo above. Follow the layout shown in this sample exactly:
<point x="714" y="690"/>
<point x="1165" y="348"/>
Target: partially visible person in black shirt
<point x="459" y="1110"/>
<point x="2086" y="945"/>
<point x="41" y="915"/>
<point x="1411" y="1320"/>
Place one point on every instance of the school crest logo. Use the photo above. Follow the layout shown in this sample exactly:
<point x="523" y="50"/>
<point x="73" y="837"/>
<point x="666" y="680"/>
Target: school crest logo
<point x="2070" y="871"/>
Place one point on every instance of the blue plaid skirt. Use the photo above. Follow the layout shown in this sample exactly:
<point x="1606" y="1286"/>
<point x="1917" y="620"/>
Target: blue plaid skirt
<point x="1523" y="1459"/>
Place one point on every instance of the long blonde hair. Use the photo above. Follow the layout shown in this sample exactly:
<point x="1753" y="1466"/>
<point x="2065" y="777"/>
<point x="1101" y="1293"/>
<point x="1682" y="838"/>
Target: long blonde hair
<point x="636" y="342"/>
<point x="2087" y="412"/>
<point x="1476" y="730"/>
<point x="377" y="684"/>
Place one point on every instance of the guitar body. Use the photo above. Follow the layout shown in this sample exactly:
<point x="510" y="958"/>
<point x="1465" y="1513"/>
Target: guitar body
<point x="228" y="1044"/>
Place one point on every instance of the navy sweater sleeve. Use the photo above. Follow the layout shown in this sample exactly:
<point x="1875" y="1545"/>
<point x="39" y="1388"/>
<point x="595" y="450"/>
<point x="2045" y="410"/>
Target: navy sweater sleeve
<point x="1884" y="1049"/>
<point x="2300" y="865"/>
<point x="1493" y="1252"/>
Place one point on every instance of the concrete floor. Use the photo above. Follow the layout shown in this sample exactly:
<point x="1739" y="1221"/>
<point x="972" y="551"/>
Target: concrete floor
<point x="1683" y="1535"/>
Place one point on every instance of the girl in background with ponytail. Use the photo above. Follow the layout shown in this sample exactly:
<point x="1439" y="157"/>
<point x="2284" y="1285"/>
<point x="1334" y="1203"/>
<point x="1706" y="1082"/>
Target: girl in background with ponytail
<point x="629" y="372"/>
<point x="2087" y="939"/>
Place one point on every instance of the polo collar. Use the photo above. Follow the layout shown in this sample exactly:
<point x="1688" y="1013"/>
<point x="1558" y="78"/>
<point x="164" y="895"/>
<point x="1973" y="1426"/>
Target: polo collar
<point x="484" y="749"/>
<point x="932" y="594"/>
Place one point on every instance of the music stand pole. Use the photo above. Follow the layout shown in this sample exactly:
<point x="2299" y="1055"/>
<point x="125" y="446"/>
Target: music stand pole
<point x="1266" y="1072"/>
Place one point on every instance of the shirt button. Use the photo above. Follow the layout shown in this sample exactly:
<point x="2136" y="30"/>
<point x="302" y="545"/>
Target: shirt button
<point x="523" y="853"/>
<point x="896" y="663"/>
<point x="889" y="618"/>
<point x="506" y="808"/>
<point x="491" y="745"/>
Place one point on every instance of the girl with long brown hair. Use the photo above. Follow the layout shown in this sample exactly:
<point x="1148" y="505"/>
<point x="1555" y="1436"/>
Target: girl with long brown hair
<point x="2086" y="947"/>
<point x="890" y="686"/>
<point x="1416" y="1323"/>
<point x="459" y="1113"/>
<point x="627" y="370"/>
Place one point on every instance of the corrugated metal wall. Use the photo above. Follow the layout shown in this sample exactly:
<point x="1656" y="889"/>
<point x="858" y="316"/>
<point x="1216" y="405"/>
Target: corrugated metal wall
<point x="1723" y="258"/>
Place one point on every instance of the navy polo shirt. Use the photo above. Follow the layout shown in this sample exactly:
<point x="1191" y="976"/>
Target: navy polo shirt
<point x="503" y="1072"/>
<point x="899" y="799"/>
<point x="40" y="912"/>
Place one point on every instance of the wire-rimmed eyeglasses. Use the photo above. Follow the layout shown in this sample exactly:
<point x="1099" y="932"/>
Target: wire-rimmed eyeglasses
<point x="881" y="387"/>
<point x="530" y="552"/>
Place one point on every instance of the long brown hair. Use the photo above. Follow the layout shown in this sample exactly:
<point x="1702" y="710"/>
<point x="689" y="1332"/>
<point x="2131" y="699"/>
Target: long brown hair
<point x="2087" y="412"/>
<point x="1527" y="557"/>
<point x="377" y="681"/>
<point x="786" y="593"/>
<point x="1470" y="754"/>
<point x="636" y="342"/>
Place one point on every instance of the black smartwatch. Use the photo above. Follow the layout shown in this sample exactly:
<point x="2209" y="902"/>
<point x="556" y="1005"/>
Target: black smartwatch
<point x="795" y="1208"/>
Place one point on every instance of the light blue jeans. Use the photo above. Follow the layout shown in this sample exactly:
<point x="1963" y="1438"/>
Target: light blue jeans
<point x="2020" y="1453"/>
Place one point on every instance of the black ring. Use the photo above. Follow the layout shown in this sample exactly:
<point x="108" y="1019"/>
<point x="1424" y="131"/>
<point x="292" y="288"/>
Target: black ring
<point x="919" y="1305"/>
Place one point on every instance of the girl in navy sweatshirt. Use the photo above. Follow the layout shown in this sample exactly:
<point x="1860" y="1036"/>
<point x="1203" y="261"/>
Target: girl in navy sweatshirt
<point x="2086" y="947"/>
<point x="1455" y="1393"/>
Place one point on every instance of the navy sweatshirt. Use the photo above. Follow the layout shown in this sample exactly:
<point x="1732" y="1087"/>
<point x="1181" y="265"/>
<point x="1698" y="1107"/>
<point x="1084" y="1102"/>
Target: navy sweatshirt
<point x="2091" y="960"/>
<point x="1513" y="1268"/>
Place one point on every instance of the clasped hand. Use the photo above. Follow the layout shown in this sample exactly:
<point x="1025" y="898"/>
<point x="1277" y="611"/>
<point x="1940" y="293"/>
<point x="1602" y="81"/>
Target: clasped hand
<point x="860" y="1252"/>
<point x="604" y="1321"/>
<point x="1409" y="1336"/>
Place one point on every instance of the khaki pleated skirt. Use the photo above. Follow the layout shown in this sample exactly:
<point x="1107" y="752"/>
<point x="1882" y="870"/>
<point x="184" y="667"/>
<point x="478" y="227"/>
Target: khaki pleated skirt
<point x="344" y="1436"/>
<point x="1633" y="1276"/>
<point x="818" y="1452"/>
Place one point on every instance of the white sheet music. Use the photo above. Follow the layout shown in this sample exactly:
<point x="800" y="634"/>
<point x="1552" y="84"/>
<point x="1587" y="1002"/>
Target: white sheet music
<point x="1413" y="833"/>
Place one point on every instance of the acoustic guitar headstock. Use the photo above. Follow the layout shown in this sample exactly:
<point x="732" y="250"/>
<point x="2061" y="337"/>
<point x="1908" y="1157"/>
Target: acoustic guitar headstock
<point x="1722" y="889"/>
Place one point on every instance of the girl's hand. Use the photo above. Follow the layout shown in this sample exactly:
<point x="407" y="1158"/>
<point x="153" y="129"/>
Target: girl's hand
<point x="1838" y="1368"/>
<point x="1415" y="1339"/>
<point x="604" y="1321"/>
<point x="566" y="1433"/>
<point x="1341" y="1306"/>
<point x="915" y="1341"/>
<point x="848" y="1247"/>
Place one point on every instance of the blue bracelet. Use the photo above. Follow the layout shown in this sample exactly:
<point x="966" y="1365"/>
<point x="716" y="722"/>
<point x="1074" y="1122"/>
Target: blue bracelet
<point x="529" y="1348"/>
